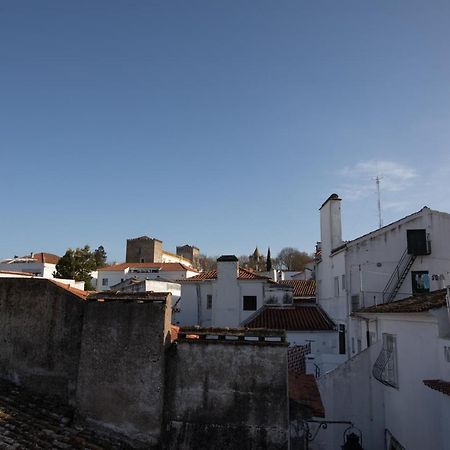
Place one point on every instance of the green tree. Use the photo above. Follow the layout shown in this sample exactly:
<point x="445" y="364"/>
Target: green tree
<point x="100" y="256"/>
<point x="268" y="261"/>
<point x="78" y="264"/>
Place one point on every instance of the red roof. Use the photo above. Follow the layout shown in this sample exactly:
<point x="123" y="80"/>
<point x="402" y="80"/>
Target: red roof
<point x="164" y="267"/>
<point x="78" y="292"/>
<point x="303" y="389"/>
<point x="438" y="385"/>
<point x="244" y="274"/>
<point x="43" y="257"/>
<point x="301" y="288"/>
<point x="416" y="303"/>
<point x="291" y="318"/>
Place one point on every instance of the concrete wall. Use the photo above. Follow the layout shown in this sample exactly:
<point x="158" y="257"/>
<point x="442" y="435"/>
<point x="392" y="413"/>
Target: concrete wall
<point x="40" y="335"/>
<point x="121" y="372"/>
<point x="227" y="396"/>
<point x="349" y="393"/>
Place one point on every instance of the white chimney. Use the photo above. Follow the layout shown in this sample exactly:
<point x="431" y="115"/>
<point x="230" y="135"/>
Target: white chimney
<point x="330" y="224"/>
<point x="226" y="304"/>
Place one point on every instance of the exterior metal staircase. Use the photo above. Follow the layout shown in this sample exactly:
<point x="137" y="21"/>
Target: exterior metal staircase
<point x="398" y="276"/>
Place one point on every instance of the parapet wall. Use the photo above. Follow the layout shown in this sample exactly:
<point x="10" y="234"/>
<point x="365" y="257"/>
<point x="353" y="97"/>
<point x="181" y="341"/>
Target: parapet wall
<point x="40" y="335"/>
<point x="227" y="390"/>
<point x="121" y="371"/>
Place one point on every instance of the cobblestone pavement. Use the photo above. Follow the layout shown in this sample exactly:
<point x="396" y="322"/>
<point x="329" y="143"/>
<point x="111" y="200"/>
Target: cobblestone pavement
<point x="28" y="421"/>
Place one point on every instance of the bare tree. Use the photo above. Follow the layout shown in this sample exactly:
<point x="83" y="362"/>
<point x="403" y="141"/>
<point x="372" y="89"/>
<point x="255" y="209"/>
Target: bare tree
<point x="292" y="259"/>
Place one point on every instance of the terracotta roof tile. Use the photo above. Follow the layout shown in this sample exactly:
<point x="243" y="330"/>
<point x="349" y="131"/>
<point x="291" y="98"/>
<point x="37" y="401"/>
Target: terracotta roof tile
<point x="303" y="390"/>
<point x="291" y="318"/>
<point x="29" y="420"/>
<point x="301" y="288"/>
<point x="438" y="385"/>
<point x="165" y="267"/>
<point x="244" y="274"/>
<point x="78" y="292"/>
<point x="416" y="303"/>
<point x="43" y="257"/>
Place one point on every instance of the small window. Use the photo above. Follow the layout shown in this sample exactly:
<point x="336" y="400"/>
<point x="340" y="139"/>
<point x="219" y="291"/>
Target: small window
<point x="336" y="286"/>
<point x="420" y="281"/>
<point x="342" y="339"/>
<point x="209" y="301"/>
<point x="447" y="353"/>
<point x="105" y="282"/>
<point x="390" y="370"/>
<point x="249" y="302"/>
<point x="343" y="283"/>
<point x="355" y="302"/>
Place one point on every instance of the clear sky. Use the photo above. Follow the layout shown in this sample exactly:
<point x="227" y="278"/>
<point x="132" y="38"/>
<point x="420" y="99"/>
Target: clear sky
<point x="224" y="124"/>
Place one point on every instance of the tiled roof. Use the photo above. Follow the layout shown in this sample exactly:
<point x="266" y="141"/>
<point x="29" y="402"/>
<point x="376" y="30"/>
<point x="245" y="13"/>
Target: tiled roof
<point x="301" y="288"/>
<point x="414" y="304"/>
<point x="303" y="390"/>
<point x="43" y="257"/>
<point x="291" y="318"/>
<point x="244" y="274"/>
<point x="19" y="274"/>
<point x="33" y="421"/>
<point x="438" y="385"/>
<point x="78" y="292"/>
<point x="165" y="267"/>
<point x="147" y="296"/>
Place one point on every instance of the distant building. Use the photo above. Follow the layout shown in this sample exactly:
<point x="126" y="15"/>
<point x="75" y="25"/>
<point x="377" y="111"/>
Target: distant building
<point x="112" y="275"/>
<point x="227" y="296"/>
<point x="149" y="250"/>
<point x="39" y="264"/>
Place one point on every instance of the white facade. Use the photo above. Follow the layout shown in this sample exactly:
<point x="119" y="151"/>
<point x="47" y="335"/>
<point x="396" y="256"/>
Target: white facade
<point x="411" y="412"/>
<point x="354" y="274"/>
<point x="110" y="276"/>
<point x="28" y="265"/>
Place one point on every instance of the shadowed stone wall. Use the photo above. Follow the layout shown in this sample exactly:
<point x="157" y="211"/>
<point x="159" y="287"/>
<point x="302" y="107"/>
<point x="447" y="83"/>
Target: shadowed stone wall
<point x="226" y="395"/>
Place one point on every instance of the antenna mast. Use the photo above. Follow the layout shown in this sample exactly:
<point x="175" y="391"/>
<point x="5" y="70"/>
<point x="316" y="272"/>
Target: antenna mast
<point x="380" y="220"/>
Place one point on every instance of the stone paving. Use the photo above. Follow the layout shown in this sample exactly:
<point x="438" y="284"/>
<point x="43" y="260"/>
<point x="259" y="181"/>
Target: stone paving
<point x="29" y="421"/>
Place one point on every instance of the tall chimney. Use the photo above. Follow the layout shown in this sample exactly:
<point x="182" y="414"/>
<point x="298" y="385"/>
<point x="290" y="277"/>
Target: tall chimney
<point x="226" y="310"/>
<point x="330" y="224"/>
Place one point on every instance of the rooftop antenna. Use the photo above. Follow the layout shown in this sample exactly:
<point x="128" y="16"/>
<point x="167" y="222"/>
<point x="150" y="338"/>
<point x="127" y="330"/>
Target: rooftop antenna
<point x="377" y="181"/>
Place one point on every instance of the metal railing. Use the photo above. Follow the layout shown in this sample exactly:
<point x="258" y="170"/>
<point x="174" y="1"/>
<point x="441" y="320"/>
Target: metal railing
<point x="398" y="276"/>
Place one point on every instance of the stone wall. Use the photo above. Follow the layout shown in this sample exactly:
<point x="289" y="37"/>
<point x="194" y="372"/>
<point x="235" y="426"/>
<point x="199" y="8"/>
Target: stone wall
<point x="144" y="249"/>
<point x="121" y="372"/>
<point x="227" y="394"/>
<point x="40" y="335"/>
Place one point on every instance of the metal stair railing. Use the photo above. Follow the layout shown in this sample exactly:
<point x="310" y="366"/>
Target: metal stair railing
<point x="398" y="276"/>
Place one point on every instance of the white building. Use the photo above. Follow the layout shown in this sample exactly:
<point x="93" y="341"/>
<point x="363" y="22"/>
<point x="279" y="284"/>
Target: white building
<point x="112" y="275"/>
<point x="411" y="255"/>
<point x="397" y="391"/>
<point x="136" y="284"/>
<point x="226" y="297"/>
<point x="39" y="264"/>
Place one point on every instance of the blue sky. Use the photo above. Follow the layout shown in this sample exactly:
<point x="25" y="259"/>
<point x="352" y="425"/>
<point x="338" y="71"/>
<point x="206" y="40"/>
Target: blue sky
<point x="220" y="124"/>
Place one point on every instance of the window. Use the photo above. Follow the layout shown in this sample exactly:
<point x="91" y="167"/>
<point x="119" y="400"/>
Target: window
<point x="420" y="281"/>
<point x="447" y="353"/>
<point x="385" y="367"/>
<point x="343" y="283"/>
<point x="342" y="339"/>
<point x="355" y="302"/>
<point x="249" y="302"/>
<point x="336" y="286"/>
<point x="209" y="301"/>
<point x="105" y="282"/>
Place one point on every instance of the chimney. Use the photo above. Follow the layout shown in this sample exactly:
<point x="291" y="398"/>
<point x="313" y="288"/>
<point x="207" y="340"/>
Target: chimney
<point x="226" y="301"/>
<point x="330" y="224"/>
